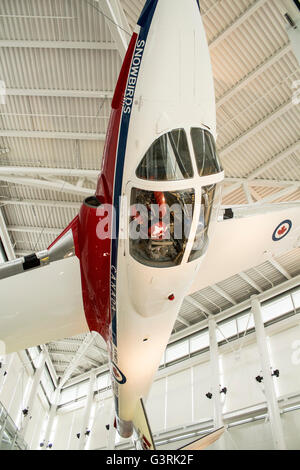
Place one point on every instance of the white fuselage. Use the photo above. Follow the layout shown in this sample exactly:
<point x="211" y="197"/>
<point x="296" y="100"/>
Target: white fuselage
<point x="174" y="90"/>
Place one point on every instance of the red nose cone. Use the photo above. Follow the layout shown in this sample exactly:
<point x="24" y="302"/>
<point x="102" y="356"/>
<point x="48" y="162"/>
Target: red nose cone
<point x="171" y="297"/>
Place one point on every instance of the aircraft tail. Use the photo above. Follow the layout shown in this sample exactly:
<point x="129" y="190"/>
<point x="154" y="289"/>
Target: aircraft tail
<point x="205" y="441"/>
<point x="142" y="435"/>
<point x="143" y="439"/>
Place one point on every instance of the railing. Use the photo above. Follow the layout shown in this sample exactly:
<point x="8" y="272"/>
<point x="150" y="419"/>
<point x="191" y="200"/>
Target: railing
<point x="10" y="438"/>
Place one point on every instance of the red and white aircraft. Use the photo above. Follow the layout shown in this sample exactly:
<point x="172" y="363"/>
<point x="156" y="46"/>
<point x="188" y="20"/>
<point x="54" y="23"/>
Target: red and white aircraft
<point x="160" y="149"/>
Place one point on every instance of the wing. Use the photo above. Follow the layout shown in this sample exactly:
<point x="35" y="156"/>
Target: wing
<point x="248" y="239"/>
<point x="41" y="297"/>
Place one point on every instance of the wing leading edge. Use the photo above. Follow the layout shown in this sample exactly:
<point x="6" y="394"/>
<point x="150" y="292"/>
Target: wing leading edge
<point x="247" y="240"/>
<point x="41" y="296"/>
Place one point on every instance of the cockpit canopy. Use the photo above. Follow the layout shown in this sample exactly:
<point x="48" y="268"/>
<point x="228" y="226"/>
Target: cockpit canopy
<point x="205" y="152"/>
<point x="169" y="159"/>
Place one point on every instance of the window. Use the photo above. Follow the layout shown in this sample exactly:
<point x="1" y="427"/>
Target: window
<point x="177" y="351"/>
<point x="205" y="152"/>
<point x="74" y="392"/>
<point x="296" y="298"/>
<point x="103" y="381"/>
<point x="201" y="239"/>
<point x="245" y="322"/>
<point x="159" y="226"/>
<point x="47" y="383"/>
<point x="226" y="330"/>
<point x="168" y="159"/>
<point x="277" y="308"/>
<point x="199" y="342"/>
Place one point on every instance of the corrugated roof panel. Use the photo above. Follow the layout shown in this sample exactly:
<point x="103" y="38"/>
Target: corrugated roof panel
<point x="270" y="140"/>
<point x="57" y="20"/>
<point x="57" y="69"/>
<point x="52" y="153"/>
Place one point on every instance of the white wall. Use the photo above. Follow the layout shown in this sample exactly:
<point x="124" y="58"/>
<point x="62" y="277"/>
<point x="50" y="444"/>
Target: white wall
<point x="177" y="397"/>
<point x="14" y="395"/>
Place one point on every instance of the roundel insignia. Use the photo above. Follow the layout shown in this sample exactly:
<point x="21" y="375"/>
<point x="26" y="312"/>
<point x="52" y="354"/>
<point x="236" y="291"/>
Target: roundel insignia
<point x="282" y="230"/>
<point x="118" y="375"/>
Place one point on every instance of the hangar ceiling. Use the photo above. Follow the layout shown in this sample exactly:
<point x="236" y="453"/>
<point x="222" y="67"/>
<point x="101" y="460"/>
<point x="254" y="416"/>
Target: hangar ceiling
<point x="59" y="61"/>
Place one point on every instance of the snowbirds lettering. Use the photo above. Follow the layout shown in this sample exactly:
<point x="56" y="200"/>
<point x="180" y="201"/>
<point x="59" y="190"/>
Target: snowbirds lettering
<point x="160" y="150"/>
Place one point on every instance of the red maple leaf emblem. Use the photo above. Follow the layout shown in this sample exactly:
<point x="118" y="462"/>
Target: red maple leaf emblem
<point x="282" y="230"/>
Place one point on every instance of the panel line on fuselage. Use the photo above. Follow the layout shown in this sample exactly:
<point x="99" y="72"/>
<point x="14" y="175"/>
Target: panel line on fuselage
<point x="119" y="169"/>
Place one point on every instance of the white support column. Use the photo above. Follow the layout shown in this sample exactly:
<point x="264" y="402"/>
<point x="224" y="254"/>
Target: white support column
<point x="33" y="392"/>
<point x="2" y="371"/>
<point x="87" y="412"/>
<point x="5" y="363"/>
<point x="111" y="433"/>
<point x="273" y="408"/>
<point x="5" y="238"/>
<point x="215" y="373"/>
<point x="51" y="418"/>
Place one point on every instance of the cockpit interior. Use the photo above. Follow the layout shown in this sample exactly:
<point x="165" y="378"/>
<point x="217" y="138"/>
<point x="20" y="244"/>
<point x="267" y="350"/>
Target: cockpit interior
<point x="160" y="221"/>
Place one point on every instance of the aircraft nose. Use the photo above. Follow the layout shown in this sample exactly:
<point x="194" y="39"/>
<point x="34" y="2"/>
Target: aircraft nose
<point x="147" y="13"/>
<point x="149" y="9"/>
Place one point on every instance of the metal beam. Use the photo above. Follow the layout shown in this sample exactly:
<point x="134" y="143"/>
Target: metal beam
<point x="250" y="281"/>
<point x="260" y="182"/>
<point x="197" y="304"/>
<point x="278" y="194"/>
<point x="243" y="17"/>
<point x="117" y="24"/>
<point x="275" y="159"/>
<point x="51" y="135"/>
<point x="87" y="342"/>
<point x="227" y="149"/>
<point x="58" y="44"/>
<point x="97" y="349"/>
<point x="183" y="320"/>
<point x="253" y="75"/>
<point x="60" y="186"/>
<point x="70" y="354"/>
<point x="51" y="418"/>
<point x="59" y="93"/>
<point x="40" y="171"/>
<point x="5" y="238"/>
<point x="33" y="392"/>
<point x="40" y="203"/>
<point x="279" y="268"/>
<point x="87" y="412"/>
<point x="111" y="433"/>
<point x="215" y="373"/>
<point x="247" y="192"/>
<point x="44" y="348"/>
<point x="224" y="294"/>
<point x="25" y="229"/>
<point x="237" y="182"/>
<point x="273" y="408"/>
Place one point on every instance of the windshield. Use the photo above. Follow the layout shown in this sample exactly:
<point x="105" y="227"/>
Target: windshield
<point x="201" y="239"/>
<point x="168" y="159"/>
<point x="205" y="152"/>
<point x="159" y="226"/>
